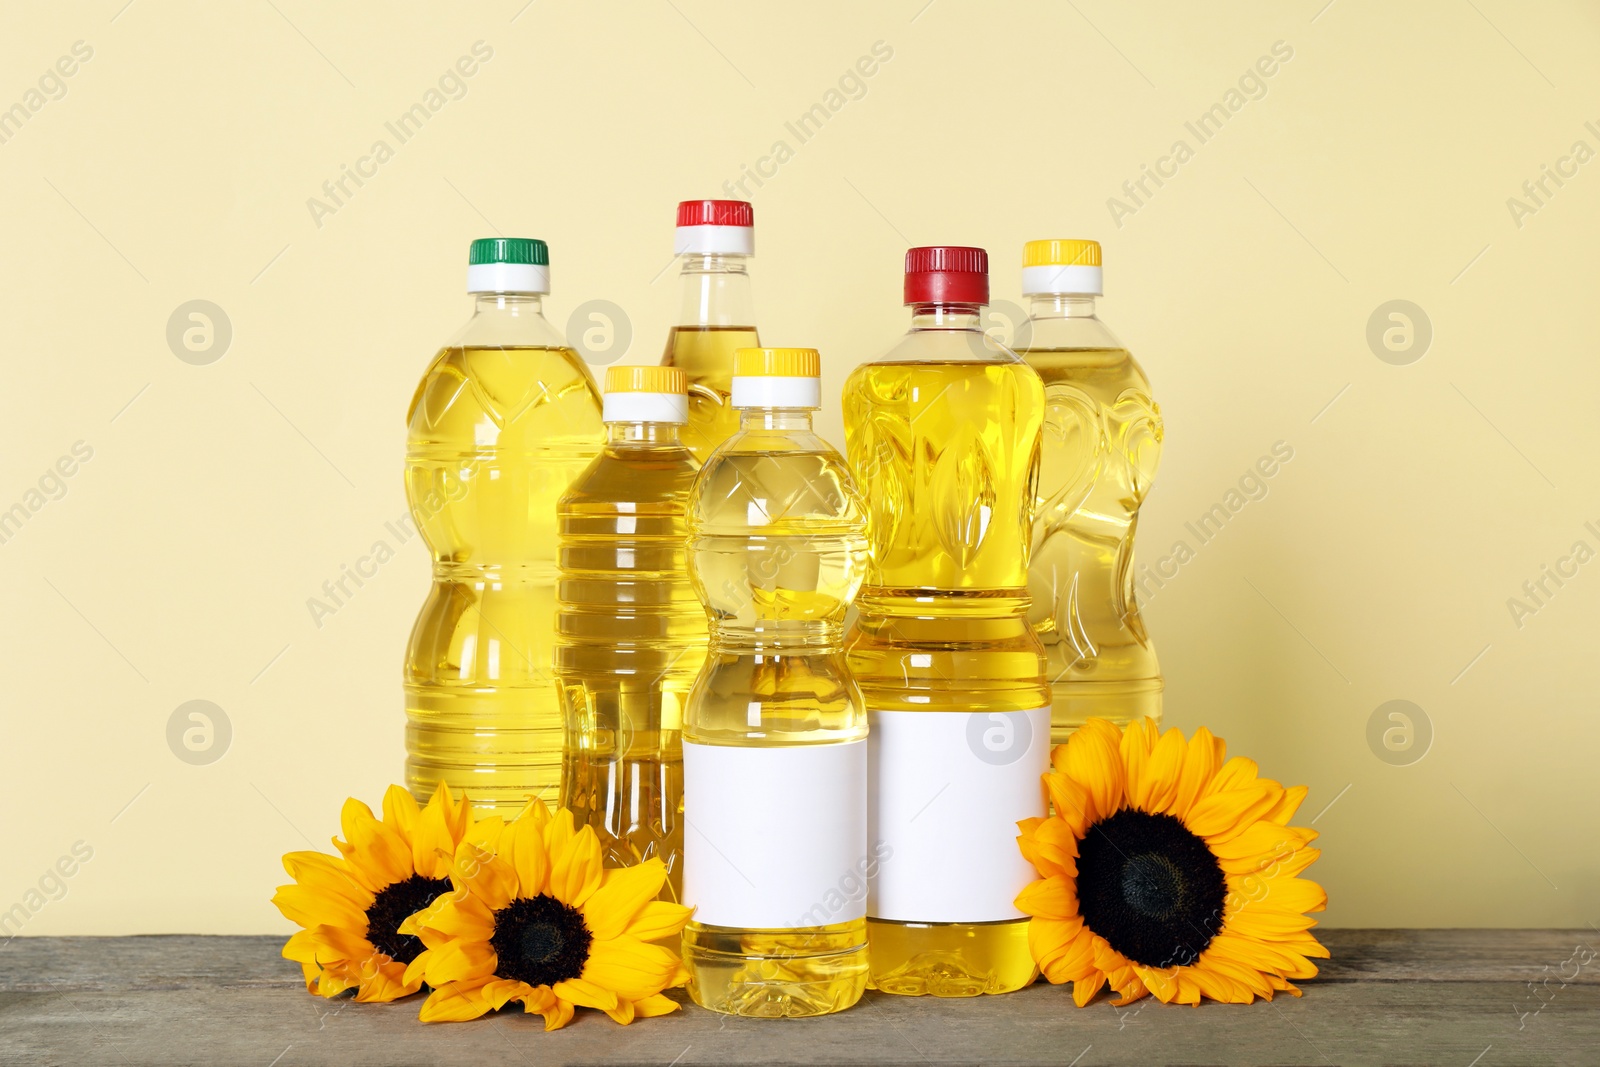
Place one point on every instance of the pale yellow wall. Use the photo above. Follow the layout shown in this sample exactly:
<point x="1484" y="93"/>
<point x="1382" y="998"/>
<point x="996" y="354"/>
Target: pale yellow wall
<point x="1377" y="166"/>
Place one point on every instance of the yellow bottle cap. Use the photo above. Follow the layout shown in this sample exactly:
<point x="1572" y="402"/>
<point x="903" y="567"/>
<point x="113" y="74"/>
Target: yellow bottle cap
<point x="646" y="380"/>
<point x="1061" y="267"/>
<point x="777" y="363"/>
<point x="1070" y="253"/>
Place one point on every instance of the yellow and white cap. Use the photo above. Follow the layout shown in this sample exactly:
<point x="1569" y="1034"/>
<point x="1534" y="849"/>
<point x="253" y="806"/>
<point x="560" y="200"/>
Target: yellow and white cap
<point x="1064" y="268"/>
<point x="646" y="394"/>
<point x="777" y="378"/>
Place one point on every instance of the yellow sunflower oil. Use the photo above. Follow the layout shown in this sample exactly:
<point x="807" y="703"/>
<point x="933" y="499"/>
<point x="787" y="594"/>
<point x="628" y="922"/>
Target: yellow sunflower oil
<point x="1099" y="452"/>
<point x="505" y="418"/>
<point x="714" y="241"/>
<point x="776" y="853"/>
<point x="944" y="429"/>
<point x="631" y="635"/>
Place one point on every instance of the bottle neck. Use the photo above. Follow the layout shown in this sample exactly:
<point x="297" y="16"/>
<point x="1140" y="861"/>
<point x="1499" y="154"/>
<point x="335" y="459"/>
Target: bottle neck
<point x="775" y="418"/>
<point x="643" y="433"/>
<point x="947" y="317"/>
<point x="1061" y="306"/>
<point x="512" y="305"/>
<point x="715" y="290"/>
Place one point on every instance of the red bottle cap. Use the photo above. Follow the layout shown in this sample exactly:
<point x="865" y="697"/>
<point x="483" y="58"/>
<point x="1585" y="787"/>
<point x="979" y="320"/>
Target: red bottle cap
<point x="947" y="274"/>
<point x="715" y="213"/>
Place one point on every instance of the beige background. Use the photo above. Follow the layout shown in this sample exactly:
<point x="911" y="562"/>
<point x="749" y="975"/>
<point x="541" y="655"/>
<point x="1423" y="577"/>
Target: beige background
<point x="219" y="498"/>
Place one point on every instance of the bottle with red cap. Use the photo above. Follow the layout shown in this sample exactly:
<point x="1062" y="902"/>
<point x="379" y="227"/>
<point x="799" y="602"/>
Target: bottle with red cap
<point x="944" y="428"/>
<point x="714" y="242"/>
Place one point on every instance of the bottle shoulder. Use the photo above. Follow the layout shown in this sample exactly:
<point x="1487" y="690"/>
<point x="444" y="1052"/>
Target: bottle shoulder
<point x="630" y="477"/>
<point x="947" y="346"/>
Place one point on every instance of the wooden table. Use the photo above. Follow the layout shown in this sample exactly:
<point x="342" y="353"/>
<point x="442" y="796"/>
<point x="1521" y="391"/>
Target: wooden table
<point x="1485" y="998"/>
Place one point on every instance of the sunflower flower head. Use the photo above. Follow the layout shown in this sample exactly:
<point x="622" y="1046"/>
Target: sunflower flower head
<point x="536" y="917"/>
<point x="1165" y="869"/>
<point x="351" y="906"/>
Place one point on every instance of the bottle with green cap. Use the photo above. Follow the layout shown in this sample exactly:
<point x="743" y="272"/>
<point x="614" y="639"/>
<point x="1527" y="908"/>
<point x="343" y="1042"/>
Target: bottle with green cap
<point x="506" y="417"/>
<point x="1098" y="454"/>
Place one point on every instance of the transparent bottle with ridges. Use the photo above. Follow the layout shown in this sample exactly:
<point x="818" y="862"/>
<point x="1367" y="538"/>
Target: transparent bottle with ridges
<point x="944" y="428"/>
<point x="631" y="635"/>
<point x="1099" y="452"/>
<point x="777" y="856"/>
<point x="506" y="416"/>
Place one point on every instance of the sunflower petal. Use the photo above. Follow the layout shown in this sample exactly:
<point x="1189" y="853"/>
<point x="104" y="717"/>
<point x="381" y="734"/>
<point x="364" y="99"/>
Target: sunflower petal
<point x="1084" y="989"/>
<point x="306" y="906"/>
<point x="378" y="850"/>
<point x="460" y="961"/>
<point x="1072" y="802"/>
<point x="558" y="1014"/>
<point x="629" y="968"/>
<point x="576" y="868"/>
<point x="454" y="1003"/>
<point x="623" y="893"/>
<point x="400" y="809"/>
<point x="622" y="1013"/>
<point x="483" y="874"/>
<point x="1200" y="764"/>
<point x="1159" y="784"/>
<point x="501" y="991"/>
<point x="1094" y="760"/>
<point x="1055" y="897"/>
<point x="585" y="993"/>
<point x="650" y="1007"/>
<point x="659" y="919"/>
<point x="522" y="846"/>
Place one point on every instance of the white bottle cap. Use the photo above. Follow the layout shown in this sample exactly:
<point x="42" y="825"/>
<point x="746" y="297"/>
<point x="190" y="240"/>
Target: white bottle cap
<point x="645" y="394"/>
<point x="776" y="378"/>
<point x="724" y="226"/>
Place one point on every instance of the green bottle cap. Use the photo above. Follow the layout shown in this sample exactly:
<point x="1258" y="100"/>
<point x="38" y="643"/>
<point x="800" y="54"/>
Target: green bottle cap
<point x="526" y="250"/>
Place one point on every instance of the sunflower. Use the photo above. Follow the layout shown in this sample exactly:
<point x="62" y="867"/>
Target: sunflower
<point x="537" y="918"/>
<point x="1166" y="870"/>
<point x="351" y="905"/>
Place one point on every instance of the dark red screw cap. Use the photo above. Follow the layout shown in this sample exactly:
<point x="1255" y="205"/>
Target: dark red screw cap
<point x="715" y="213"/>
<point x="947" y="274"/>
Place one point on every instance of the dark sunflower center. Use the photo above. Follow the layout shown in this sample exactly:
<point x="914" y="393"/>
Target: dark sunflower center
<point x="393" y="906"/>
<point x="1151" y="888"/>
<point x="540" y="940"/>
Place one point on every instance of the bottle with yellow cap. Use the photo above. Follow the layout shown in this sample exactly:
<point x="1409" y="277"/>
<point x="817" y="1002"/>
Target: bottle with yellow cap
<point x="1099" y="451"/>
<point x="504" y="419"/>
<point x="776" y="856"/>
<point x="630" y="633"/>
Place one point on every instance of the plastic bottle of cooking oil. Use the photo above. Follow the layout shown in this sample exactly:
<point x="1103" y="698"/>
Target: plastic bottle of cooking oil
<point x="506" y="416"/>
<point x="714" y="242"/>
<point x="944" y="429"/>
<point x="776" y="854"/>
<point x="631" y="634"/>
<point x="1099" y="451"/>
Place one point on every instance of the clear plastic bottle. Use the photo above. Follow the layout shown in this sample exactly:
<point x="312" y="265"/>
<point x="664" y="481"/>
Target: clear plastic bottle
<point x="944" y="429"/>
<point x="1099" y="452"/>
<point x="504" y="419"/>
<point x="631" y="634"/>
<point x="776" y="857"/>
<point x="716" y="317"/>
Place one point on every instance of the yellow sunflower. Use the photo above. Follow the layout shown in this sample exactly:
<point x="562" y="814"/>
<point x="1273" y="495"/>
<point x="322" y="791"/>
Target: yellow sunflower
<point x="351" y="905"/>
<point x="538" y="919"/>
<point x="1166" y="870"/>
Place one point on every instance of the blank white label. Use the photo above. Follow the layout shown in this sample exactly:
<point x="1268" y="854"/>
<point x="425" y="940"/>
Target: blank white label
<point x="945" y="793"/>
<point x="775" y="838"/>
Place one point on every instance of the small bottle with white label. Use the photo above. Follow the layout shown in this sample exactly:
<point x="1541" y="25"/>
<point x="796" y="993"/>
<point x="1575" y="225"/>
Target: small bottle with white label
<point x="776" y="853"/>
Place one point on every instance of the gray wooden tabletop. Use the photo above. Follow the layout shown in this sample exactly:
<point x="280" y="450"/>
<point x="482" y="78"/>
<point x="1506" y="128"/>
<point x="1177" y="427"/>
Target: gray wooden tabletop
<point x="1485" y="998"/>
